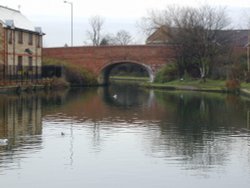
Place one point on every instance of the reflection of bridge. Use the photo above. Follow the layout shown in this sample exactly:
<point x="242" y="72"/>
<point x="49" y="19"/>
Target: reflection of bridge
<point x="97" y="104"/>
<point x="101" y="60"/>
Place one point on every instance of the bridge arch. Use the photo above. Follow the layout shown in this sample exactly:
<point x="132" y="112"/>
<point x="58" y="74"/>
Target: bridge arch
<point x="104" y="73"/>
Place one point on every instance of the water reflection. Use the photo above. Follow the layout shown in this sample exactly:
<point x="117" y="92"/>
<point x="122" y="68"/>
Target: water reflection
<point x="21" y="124"/>
<point x="206" y="111"/>
<point x="169" y="132"/>
<point x="20" y="116"/>
<point x="197" y="128"/>
<point x="201" y="128"/>
<point x="121" y="95"/>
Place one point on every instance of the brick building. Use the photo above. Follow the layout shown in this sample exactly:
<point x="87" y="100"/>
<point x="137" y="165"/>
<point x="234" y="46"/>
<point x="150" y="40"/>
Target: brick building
<point x="20" y="46"/>
<point x="159" y="36"/>
<point x="237" y="38"/>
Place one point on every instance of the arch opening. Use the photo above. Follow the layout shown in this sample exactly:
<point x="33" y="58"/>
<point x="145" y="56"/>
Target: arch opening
<point x="123" y="67"/>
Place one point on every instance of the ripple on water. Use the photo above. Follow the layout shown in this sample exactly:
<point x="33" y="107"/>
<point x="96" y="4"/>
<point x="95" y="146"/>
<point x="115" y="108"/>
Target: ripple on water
<point x="19" y="149"/>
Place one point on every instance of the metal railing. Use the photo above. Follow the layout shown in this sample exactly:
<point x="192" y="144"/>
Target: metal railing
<point x="24" y="82"/>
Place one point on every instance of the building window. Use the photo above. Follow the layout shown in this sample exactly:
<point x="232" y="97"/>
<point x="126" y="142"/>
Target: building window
<point x="10" y="37"/>
<point x="20" y="63"/>
<point x="20" y="37"/>
<point x="30" y="39"/>
<point x="30" y="63"/>
<point x="39" y="41"/>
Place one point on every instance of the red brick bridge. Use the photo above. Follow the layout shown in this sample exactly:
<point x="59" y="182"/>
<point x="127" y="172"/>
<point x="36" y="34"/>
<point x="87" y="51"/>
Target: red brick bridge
<point x="102" y="59"/>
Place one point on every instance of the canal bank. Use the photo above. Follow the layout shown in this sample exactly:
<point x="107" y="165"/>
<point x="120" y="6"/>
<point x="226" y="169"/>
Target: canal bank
<point x="21" y="88"/>
<point x="24" y="86"/>
<point x="216" y="86"/>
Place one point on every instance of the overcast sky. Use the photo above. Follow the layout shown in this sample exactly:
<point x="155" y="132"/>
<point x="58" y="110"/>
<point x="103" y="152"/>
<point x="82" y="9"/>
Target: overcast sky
<point x="54" y="15"/>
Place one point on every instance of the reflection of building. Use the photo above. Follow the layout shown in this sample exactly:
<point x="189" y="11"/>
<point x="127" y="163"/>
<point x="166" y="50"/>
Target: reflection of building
<point x="21" y="124"/>
<point x="20" y="116"/>
<point x="20" y="46"/>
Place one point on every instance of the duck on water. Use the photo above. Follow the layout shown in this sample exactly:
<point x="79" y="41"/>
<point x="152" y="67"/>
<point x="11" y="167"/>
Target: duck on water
<point x="3" y="142"/>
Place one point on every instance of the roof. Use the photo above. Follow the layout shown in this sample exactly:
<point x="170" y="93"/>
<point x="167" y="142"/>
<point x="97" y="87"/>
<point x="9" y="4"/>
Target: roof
<point x="159" y="36"/>
<point x="14" y="18"/>
<point x="239" y="38"/>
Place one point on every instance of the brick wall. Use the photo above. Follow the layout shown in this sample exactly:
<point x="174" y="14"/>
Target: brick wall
<point x="17" y="49"/>
<point x="97" y="58"/>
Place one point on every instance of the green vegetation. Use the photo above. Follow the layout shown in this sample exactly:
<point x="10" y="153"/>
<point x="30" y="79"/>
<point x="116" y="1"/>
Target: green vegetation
<point x="168" y="73"/>
<point x="229" y="86"/>
<point x="58" y="83"/>
<point x="77" y="75"/>
<point x="130" y="78"/>
<point x="129" y="70"/>
<point x="191" y="85"/>
<point x="73" y="74"/>
<point x="229" y="78"/>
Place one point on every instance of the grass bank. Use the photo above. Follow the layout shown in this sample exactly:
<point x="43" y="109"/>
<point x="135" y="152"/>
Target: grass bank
<point x="218" y="86"/>
<point x="130" y="78"/>
<point x="194" y="85"/>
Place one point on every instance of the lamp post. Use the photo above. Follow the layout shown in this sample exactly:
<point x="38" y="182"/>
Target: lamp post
<point x="71" y="4"/>
<point x="248" y="63"/>
<point x="248" y="45"/>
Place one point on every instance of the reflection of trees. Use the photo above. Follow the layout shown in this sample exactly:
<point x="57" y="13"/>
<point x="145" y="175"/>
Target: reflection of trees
<point x="124" y="97"/>
<point x="190" y="127"/>
<point x="205" y="111"/>
<point x="189" y="150"/>
<point x="197" y="127"/>
<point x="56" y="100"/>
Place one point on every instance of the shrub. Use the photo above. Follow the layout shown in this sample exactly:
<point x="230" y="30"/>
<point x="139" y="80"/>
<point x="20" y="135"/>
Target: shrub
<point x="237" y="72"/>
<point x="247" y="79"/>
<point x="74" y="74"/>
<point x="233" y="86"/>
<point x="59" y="83"/>
<point x="168" y="73"/>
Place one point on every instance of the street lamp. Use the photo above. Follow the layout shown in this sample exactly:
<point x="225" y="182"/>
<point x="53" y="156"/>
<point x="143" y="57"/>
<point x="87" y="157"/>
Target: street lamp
<point x="71" y="4"/>
<point x="248" y="44"/>
<point x="248" y="63"/>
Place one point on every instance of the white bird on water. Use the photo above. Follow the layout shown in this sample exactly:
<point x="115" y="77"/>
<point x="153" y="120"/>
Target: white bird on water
<point x="115" y="96"/>
<point x="3" y="142"/>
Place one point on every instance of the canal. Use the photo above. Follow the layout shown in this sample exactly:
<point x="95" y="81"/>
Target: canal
<point x="124" y="136"/>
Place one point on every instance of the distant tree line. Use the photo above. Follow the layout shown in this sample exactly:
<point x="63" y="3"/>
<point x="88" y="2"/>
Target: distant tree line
<point x="129" y="69"/>
<point x="195" y="33"/>
<point x="98" y="38"/>
<point x="202" y="48"/>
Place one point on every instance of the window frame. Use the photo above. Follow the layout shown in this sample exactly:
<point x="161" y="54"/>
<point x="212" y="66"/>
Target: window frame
<point x="20" y="37"/>
<point x="39" y="41"/>
<point x="10" y="36"/>
<point x="30" y="39"/>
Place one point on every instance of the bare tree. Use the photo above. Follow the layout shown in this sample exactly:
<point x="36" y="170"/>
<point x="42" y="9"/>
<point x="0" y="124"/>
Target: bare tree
<point x="108" y="39"/>
<point x="196" y="33"/>
<point x="96" y="24"/>
<point x="123" y="37"/>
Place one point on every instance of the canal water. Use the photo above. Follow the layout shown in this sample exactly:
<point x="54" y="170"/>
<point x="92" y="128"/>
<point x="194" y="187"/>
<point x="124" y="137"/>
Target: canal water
<point x="124" y="136"/>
